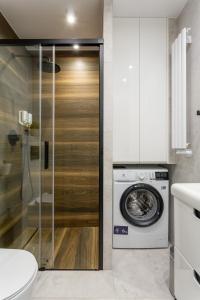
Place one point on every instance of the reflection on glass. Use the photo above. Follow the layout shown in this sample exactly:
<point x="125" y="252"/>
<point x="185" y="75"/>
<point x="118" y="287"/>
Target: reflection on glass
<point x="19" y="149"/>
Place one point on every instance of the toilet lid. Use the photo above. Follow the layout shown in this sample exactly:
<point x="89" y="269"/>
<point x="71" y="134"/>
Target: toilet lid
<point x="17" y="269"/>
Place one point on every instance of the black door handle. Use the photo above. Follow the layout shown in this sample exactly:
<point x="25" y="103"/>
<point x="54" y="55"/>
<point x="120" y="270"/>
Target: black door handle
<point x="46" y="155"/>
<point x="197" y="213"/>
<point x="197" y="277"/>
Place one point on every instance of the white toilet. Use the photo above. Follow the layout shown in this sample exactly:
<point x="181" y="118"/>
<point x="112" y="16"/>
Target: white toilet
<point x="18" y="272"/>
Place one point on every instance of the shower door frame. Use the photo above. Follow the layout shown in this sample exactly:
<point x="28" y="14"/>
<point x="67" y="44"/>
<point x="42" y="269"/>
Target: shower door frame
<point x="82" y="42"/>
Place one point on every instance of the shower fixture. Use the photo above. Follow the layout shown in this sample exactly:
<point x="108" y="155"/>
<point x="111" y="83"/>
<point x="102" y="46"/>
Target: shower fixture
<point x="25" y="118"/>
<point x="13" y="137"/>
<point x="47" y="64"/>
<point x="26" y="177"/>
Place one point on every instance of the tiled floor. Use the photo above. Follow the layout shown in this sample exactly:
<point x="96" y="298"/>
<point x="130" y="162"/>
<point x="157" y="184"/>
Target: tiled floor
<point x="136" y="275"/>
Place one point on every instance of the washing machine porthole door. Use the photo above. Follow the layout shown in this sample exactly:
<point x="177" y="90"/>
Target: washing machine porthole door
<point x="141" y="205"/>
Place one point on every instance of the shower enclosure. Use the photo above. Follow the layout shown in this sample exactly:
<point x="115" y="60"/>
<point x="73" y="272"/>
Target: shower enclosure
<point x="51" y="153"/>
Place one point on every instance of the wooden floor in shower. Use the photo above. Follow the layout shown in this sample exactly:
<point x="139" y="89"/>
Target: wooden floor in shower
<point x="75" y="248"/>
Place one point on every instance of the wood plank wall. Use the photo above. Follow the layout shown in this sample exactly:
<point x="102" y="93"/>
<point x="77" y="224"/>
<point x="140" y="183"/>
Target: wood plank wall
<point x="77" y="141"/>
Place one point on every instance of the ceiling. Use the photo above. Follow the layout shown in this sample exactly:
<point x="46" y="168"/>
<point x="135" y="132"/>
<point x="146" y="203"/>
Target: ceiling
<point x="46" y="18"/>
<point x="148" y="8"/>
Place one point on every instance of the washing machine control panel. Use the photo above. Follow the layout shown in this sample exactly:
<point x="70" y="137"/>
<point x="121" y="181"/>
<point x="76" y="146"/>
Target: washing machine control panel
<point x="152" y="175"/>
<point x="145" y="176"/>
<point x="141" y="176"/>
<point x="161" y="176"/>
<point x="126" y="175"/>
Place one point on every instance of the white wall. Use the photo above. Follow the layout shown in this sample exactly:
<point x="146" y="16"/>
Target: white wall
<point x="188" y="169"/>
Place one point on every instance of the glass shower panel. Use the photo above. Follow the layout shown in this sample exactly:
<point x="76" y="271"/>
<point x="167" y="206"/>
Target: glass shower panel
<point x="47" y="85"/>
<point x="19" y="148"/>
<point x="76" y="208"/>
<point x="49" y="111"/>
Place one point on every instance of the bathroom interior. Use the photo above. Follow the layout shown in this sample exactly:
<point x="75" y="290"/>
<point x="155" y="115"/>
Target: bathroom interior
<point x="99" y="149"/>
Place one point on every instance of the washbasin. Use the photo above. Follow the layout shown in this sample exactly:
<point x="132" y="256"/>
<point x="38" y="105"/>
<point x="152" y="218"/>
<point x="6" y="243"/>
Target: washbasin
<point x="189" y="193"/>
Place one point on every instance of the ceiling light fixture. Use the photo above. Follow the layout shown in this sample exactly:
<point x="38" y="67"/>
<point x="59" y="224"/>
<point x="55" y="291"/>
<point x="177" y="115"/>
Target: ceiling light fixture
<point x="71" y="18"/>
<point x="76" y="46"/>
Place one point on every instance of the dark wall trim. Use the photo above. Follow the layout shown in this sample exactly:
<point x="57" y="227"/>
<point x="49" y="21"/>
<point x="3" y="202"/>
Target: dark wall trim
<point x="47" y="42"/>
<point x="101" y="156"/>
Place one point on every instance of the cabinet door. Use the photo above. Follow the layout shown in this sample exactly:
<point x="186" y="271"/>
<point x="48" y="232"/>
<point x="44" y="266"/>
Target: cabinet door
<point x="153" y="90"/>
<point x="126" y="90"/>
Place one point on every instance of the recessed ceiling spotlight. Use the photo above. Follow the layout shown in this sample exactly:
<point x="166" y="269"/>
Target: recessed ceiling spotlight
<point x="76" y="46"/>
<point x="71" y="18"/>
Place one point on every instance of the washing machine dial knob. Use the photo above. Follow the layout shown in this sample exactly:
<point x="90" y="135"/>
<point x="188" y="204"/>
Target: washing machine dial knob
<point x="141" y="176"/>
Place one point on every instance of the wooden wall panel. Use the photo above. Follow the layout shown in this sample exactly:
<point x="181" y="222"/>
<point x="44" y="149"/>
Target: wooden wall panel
<point x="77" y="141"/>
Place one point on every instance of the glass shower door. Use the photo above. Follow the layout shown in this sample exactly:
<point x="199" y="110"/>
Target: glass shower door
<point x="38" y="96"/>
<point x="19" y="148"/>
<point x="47" y="88"/>
<point x="27" y="150"/>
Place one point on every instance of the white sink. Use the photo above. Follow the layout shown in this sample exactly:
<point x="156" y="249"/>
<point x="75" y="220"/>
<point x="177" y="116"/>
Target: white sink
<point x="189" y="193"/>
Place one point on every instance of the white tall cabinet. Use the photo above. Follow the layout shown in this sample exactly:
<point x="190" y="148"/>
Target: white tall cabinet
<point x="153" y="90"/>
<point x="126" y="90"/>
<point x="141" y="116"/>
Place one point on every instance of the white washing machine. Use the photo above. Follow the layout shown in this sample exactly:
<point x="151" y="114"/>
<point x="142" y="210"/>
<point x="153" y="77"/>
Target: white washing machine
<point x="140" y="208"/>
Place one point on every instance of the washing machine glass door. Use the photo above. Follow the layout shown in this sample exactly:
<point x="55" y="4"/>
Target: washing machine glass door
<point x="141" y="205"/>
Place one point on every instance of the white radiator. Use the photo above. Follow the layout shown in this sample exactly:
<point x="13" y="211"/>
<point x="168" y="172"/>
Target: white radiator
<point x="179" y="91"/>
